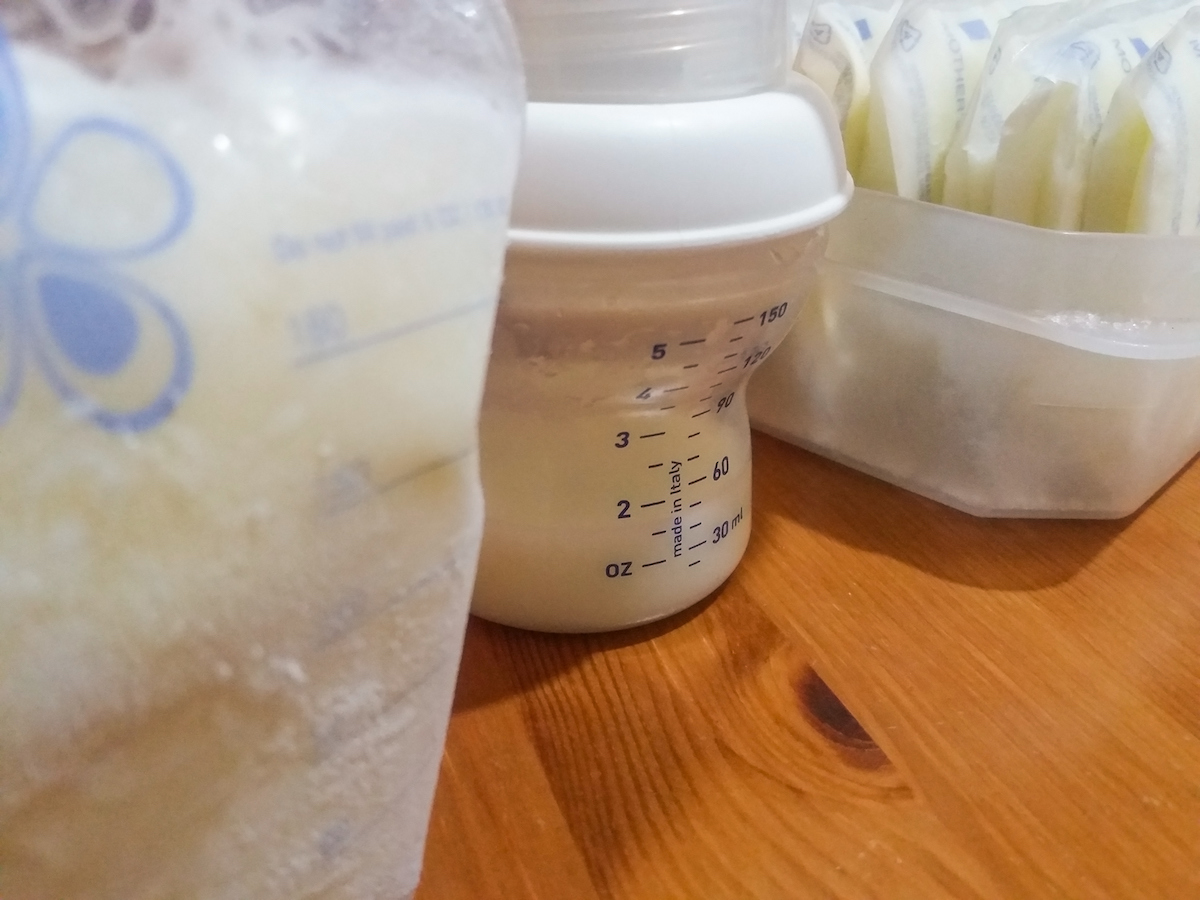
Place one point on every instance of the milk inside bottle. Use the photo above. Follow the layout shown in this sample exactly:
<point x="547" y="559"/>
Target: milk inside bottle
<point x="249" y="255"/>
<point x="673" y="186"/>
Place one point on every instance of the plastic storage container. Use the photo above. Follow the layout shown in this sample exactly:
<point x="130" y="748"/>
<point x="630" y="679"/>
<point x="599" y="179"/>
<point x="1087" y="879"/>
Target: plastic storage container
<point x="657" y="252"/>
<point x="1000" y="369"/>
<point x="251" y="258"/>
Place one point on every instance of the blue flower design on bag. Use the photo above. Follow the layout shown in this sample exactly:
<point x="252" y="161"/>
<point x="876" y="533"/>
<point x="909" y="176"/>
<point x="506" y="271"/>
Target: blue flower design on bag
<point x="65" y="312"/>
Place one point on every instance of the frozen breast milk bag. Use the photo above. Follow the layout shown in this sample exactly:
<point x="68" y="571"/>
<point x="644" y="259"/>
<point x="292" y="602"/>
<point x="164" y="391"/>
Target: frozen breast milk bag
<point x="250" y="257"/>
<point x="836" y="52"/>
<point x="1145" y="173"/>
<point x="971" y="159"/>
<point x="1064" y="81"/>
<point x="922" y="81"/>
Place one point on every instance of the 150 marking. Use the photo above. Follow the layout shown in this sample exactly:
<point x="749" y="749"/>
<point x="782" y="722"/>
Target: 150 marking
<point x="770" y="315"/>
<point x="766" y="317"/>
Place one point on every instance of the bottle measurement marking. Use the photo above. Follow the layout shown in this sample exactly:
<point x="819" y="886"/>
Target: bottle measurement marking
<point x="698" y="480"/>
<point x="342" y="345"/>
<point x="675" y="389"/>
<point x="696" y="563"/>
<point x="699" y="414"/>
<point x="655" y="503"/>
<point x="694" y="546"/>
<point x="657" y="563"/>
<point x="713" y="387"/>
<point x="732" y="355"/>
<point x="744" y="321"/>
<point x="730" y="369"/>
<point x="655" y="465"/>
<point x="706" y="399"/>
<point x="697" y="525"/>
<point x="644" y="437"/>
<point x="736" y="339"/>
<point x="693" y="458"/>
<point x="351" y="484"/>
<point x="664" y="531"/>
<point x="692" y="366"/>
<point x="690" y="436"/>
<point x="694" y="505"/>
<point x="692" y="343"/>
<point x="665" y="408"/>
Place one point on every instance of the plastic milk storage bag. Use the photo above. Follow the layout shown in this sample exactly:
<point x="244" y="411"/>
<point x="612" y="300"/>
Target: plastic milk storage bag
<point x="250" y="256"/>
<point x="922" y="80"/>
<point x="1146" y="169"/>
<point x="836" y="51"/>
<point x="1025" y="148"/>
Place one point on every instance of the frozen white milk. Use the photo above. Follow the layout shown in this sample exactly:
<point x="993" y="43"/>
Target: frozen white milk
<point x="836" y="52"/>
<point x="241" y="360"/>
<point x="1145" y="174"/>
<point x="1052" y="95"/>
<point x="971" y="159"/>
<point x="923" y="78"/>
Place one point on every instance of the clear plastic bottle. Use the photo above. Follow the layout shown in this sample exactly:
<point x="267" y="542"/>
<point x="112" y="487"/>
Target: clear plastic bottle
<point x="673" y="182"/>
<point x="250" y="258"/>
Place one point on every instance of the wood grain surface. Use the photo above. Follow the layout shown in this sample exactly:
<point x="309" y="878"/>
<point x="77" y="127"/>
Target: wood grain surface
<point x="889" y="700"/>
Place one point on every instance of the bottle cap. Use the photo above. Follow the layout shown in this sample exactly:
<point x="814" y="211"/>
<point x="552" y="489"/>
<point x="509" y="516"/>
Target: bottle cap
<point x="613" y="177"/>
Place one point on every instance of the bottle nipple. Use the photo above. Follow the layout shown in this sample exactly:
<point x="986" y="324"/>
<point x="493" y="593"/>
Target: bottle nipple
<point x="651" y="51"/>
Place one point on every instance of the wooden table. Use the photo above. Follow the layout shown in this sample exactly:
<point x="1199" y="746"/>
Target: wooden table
<point x="888" y="700"/>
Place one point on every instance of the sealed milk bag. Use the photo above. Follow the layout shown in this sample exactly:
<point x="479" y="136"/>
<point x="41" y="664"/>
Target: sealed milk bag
<point x="1145" y="174"/>
<point x="922" y="80"/>
<point x="836" y="52"/>
<point x="971" y="159"/>
<point x="250" y="259"/>
<point x="1042" y="102"/>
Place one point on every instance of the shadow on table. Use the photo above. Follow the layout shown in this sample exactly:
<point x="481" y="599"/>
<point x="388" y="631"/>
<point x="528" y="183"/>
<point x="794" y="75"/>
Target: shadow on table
<point x="859" y="511"/>
<point x="499" y="661"/>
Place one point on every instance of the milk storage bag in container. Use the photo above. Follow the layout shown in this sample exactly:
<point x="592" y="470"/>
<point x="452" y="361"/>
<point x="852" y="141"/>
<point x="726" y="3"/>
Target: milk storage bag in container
<point x="1012" y="368"/>
<point x="672" y="186"/>
<point x="922" y="80"/>
<point x="249" y="264"/>
<point x="1145" y="173"/>
<point x="1025" y="148"/>
<point x="836" y="51"/>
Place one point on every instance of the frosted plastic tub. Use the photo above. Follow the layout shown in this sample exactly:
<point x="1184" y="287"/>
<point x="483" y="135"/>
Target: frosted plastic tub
<point x="997" y="368"/>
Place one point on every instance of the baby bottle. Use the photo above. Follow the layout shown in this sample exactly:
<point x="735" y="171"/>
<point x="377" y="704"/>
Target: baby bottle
<point x="249" y="259"/>
<point x="672" y="187"/>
